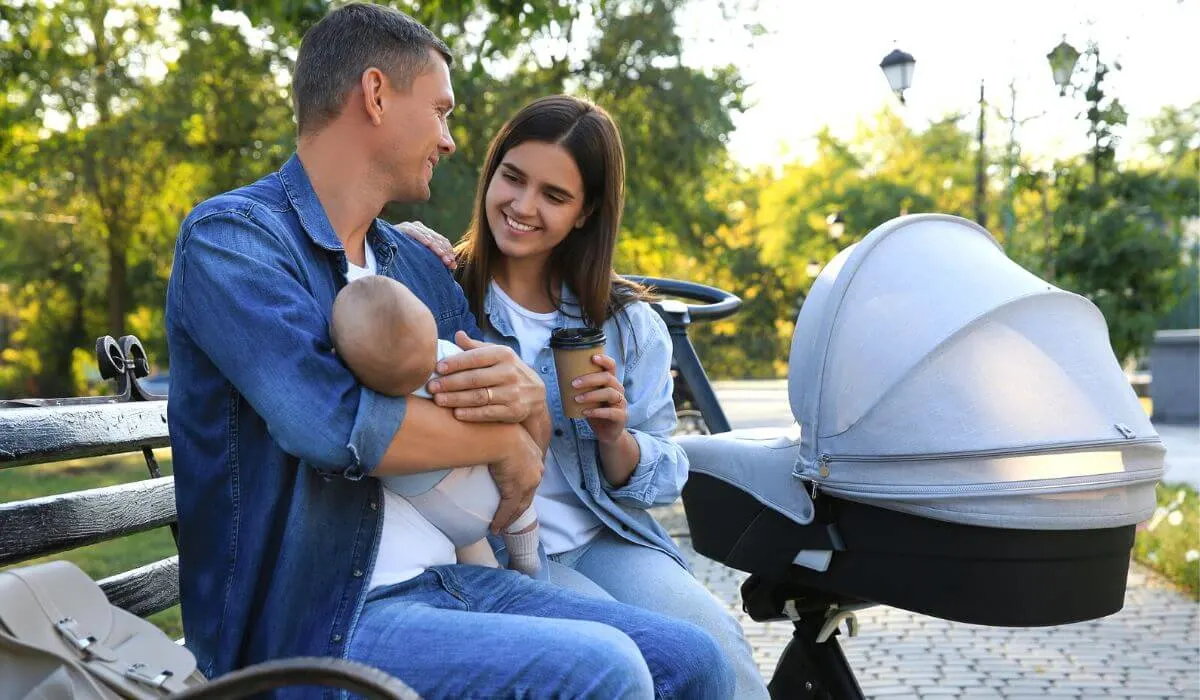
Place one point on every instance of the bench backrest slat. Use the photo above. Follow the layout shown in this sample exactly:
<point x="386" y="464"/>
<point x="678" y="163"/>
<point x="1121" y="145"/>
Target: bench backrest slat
<point x="53" y="434"/>
<point x="147" y="589"/>
<point x="40" y="431"/>
<point x="51" y="524"/>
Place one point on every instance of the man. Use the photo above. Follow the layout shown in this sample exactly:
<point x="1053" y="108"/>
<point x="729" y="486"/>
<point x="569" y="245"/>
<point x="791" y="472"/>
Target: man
<point x="288" y="547"/>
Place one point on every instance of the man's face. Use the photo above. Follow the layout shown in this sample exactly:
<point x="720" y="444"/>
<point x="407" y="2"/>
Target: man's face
<point x="414" y="134"/>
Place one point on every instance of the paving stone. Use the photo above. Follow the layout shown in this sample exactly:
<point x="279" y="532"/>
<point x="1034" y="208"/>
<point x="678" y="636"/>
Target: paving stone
<point x="888" y="691"/>
<point x="1026" y="685"/>
<point x="1147" y="689"/>
<point x="1081" y="686"/>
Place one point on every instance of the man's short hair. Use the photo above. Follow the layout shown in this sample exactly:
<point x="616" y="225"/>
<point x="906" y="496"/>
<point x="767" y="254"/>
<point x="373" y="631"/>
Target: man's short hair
<point x="349" y="40"/>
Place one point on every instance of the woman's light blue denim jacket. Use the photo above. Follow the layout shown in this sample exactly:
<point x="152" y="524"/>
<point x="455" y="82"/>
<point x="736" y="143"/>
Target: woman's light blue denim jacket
<point x="639" y="342"/>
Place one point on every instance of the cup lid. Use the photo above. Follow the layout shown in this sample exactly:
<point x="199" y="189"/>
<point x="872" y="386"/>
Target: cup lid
<point x="567" y="338"/>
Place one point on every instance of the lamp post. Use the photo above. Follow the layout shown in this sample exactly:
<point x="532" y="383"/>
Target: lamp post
<point x="1063" y="59"/>
<point x="981" y="165"/>
<point x="898" y="67"/>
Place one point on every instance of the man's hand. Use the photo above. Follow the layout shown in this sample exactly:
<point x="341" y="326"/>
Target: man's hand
<point x="487" y="384"/>
<point x="517" y="477"/>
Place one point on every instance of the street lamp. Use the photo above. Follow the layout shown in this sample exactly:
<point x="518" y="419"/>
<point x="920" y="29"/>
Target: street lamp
<point x="837" y="225"/>
<point x="1062" y="64"/>
<point x="898" y="69"/>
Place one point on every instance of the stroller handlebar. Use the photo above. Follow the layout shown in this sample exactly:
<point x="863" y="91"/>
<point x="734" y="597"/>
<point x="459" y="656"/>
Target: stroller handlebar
<point x="718" y="302"/>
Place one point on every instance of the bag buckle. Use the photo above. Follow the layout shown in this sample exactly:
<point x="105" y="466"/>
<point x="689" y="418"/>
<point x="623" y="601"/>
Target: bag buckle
<point x="137" y="673"/>
<point x="68" y="628"/>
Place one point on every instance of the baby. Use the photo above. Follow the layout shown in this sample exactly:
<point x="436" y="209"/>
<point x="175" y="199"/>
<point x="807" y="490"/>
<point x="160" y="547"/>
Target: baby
<point x="388" y="339"/>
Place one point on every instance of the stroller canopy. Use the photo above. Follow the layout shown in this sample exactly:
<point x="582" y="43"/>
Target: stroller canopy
<point x="931" y="374"/>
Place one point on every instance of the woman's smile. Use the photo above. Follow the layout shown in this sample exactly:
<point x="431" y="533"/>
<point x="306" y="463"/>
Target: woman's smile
<point x="518" y="227"/>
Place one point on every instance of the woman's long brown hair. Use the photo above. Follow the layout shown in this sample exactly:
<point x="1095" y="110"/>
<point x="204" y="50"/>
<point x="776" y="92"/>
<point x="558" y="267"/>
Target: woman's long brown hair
<point x="583" y="260"/>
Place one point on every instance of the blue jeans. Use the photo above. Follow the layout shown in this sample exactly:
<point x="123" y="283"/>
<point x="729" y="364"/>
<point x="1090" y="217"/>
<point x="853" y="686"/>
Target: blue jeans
<point x="611" y="567"/>
<point x="474" y="632"/>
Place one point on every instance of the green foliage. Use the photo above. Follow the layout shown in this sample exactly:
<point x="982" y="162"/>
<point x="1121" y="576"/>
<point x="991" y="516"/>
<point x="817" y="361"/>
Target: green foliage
<point x="776" y="228"/>
<point x="105" y="154"/>
<point x="1114" y="248"/>
<point x="1175" y="140"/>
<point x="119" y="116"/>
<point x="1117" y="231"/>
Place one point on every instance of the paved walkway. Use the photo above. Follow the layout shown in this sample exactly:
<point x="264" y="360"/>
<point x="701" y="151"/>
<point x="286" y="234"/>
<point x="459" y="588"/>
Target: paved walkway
<point x="1150" y="649"/>
<point x="1183" y="453"/>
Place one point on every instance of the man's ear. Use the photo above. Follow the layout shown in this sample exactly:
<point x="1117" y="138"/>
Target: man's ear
<point x="373" y="82"/>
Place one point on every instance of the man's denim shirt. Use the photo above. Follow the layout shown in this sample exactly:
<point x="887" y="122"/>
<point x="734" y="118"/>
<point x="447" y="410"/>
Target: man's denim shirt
<point x="271" y="434"/>
<point x="639" y="342"/>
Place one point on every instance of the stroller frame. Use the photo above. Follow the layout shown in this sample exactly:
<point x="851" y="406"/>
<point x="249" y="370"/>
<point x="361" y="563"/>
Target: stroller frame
<point x="813" y="664"/>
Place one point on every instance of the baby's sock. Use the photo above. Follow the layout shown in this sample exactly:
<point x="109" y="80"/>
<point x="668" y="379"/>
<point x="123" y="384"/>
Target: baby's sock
<point x="521" y="540"/>
<point x="523" y="550"/>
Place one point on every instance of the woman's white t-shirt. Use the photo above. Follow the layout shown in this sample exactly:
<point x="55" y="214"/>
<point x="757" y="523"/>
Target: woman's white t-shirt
<point x="566" y="523"/>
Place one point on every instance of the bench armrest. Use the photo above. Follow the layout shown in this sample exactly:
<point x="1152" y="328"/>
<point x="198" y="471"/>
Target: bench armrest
<point x="323" y="671"/>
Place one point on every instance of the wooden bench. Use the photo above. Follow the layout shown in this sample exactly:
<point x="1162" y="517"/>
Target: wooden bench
<point x="42" y="431"/>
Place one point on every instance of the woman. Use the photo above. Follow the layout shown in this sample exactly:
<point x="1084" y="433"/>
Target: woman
<point x="538" y="255"/>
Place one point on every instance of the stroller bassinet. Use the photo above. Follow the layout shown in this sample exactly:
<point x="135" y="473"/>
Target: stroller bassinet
<point x="966" y="444"/>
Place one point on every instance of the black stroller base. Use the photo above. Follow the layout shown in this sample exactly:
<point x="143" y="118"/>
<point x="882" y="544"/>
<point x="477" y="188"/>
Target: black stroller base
<point x="989" y="576"/>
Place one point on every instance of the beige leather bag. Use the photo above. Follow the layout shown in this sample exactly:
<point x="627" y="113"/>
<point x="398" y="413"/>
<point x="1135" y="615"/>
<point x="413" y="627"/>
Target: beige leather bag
<point x="60" y="639"/>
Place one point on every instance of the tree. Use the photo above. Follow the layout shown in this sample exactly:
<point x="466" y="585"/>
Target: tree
<point x="89" y="206"/>
<point x="119" y="116"/>
<point x="1114" y="239"/>
<point x="1175" y="142"/>
<point x="86" y="63"/>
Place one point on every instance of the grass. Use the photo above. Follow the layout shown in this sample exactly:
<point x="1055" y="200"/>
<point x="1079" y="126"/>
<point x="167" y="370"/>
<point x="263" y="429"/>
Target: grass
<point x="106" y="558"/>
<point x="1170" y="541"/>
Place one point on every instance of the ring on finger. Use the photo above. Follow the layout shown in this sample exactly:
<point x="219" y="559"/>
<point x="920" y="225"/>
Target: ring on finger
<point x="488" y="389"/>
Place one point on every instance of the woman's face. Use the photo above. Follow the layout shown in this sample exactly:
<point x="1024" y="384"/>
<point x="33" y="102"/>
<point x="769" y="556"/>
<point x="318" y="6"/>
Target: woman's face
<point x="534" y="200"/>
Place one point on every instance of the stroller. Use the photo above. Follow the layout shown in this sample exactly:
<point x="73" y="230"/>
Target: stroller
<point x="966" y="446"/>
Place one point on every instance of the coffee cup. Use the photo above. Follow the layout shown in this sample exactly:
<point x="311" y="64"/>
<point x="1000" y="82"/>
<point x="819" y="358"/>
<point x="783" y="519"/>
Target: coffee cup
<point x="573" y="350"/>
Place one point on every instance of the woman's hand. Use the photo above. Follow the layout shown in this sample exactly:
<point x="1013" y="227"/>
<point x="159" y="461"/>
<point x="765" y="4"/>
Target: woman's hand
<point x="603" y="399"/>
<point x="436" y="242"/>
<point x="487" y="384"/>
